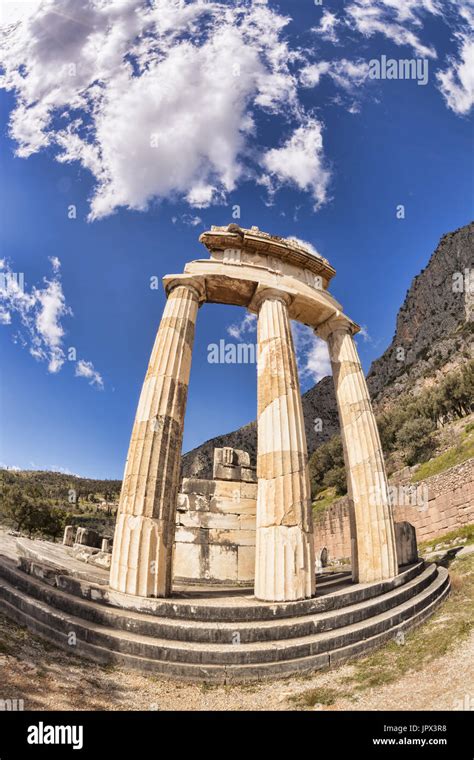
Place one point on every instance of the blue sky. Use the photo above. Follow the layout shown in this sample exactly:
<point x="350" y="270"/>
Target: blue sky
<point x="278" y="117"/>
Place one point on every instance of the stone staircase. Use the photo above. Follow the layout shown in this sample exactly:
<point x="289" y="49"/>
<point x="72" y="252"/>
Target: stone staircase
<point x="218" y="635"/>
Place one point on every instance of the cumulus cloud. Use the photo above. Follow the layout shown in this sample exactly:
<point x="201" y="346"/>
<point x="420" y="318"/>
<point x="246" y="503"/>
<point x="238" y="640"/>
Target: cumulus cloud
<point x="162" y="99"/>
<point x="155" y="100"/>
<point x="456" y="82"/>
<point x="248" y="324"/>
<point x="40" y="312"/>
<point x="326" y="28"/>
<point x="86" y="369"/>
<point x="312" y="354"/>
<point x="399" y="20"/>
<point x="300" y="162"/>
<point x="37" y="315"/>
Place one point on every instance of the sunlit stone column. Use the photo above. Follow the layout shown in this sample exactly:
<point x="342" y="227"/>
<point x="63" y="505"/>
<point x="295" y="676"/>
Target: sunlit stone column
<point x="284" y="564"/>
<point x="144" y="533"/>
<point x="375" y="556"/>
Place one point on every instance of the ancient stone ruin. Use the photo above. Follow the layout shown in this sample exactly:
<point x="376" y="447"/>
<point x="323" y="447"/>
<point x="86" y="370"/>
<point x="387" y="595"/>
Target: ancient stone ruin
<point x="216" y="521"/>
<point x="218" y="580"/>
<point x="278" y="280"/>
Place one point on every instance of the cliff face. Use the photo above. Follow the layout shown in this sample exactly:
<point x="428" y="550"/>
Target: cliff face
<point x="434" y="324"/>
<point x="433" y="335"/>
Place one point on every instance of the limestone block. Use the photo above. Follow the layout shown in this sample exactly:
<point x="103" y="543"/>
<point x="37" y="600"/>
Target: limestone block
<point x="237" y="506"/>
<point x="223" y="562"/>
<point x="407" y="550"/>
<point x="68" y="538"/>
<point x="191" y="535"/>
<point x="232" y="464"/>
<point x="235" y="537"/>
<point x="209" y="520"/>
<point x="187" y="560"/>
<point x="87" y="537"/>
<point x="248" y="522"/>
<point x="234" y="490"/>
<point x="246" y="563"/>
<point x="198" y="486"/>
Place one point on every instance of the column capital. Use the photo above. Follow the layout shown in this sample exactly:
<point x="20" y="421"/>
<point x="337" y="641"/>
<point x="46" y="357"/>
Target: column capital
<point x="337" y="322"/>
<point x="194" y="284"/>
<point x="272" y="294"/>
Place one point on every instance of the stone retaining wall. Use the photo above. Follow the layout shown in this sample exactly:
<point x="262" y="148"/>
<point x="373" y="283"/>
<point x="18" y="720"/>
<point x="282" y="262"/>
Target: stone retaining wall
<point x="449" y="505"/>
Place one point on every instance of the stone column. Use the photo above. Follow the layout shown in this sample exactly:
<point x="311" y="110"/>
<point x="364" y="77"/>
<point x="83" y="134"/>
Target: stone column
<point x="284" y="564"/>
<point x="68" y="538"/>
<point x="375" y="557"/>
<point x="144" y="532"/>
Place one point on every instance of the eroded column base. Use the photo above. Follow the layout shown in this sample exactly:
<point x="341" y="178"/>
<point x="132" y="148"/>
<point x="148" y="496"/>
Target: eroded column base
<point x="284" y="568"/>
<point x="142" y="567"/>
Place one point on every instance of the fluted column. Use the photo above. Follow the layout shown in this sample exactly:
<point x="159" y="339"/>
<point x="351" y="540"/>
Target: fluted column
<point x="374" y="556"/>
<point x="284" y="565"/>
<point x="144" y="532"/>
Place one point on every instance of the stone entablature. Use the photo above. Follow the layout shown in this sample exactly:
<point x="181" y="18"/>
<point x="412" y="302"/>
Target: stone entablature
<point x="234" y="244"/>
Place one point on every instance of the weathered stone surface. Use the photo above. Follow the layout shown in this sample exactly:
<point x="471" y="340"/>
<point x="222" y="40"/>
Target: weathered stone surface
<point x="87" y="537"/>
<point x="144" y="534"/>
<point x="284" y="560"/>
<point x="374" y="557"/>
<point x="211" y="530"/>
<point x="233" y="464"/>
<point x="68" y="538"/>
<point x="407" y="549"/>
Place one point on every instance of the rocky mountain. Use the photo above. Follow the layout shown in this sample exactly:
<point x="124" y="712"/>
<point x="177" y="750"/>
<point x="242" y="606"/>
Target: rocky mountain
<point x="434" y="325"/>
<point x="433" y="335"/>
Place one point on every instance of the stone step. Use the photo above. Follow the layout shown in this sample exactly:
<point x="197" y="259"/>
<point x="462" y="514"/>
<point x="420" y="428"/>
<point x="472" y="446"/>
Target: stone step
<point x="230" y="673"/>
<point x="236" y="607"/>
<point x="226" y="633"/>
<point x="38" y="614"/>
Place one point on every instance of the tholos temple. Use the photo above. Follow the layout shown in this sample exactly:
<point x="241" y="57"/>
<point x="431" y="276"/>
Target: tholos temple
<point x="278" y="280"/>
<point x="216" y="580"/>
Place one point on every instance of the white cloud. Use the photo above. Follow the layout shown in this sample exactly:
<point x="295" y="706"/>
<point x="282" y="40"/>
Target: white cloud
<point x="398" y="20"/>
<point x="39" y="312"/>
<point x="457" y="81"/>
<point x="5" y="317"/>
<point x="155" y="100"/>
<point x="188" y="219"/>
<point x="13" y="11"/>
<point x="364" y="334"/>
<point x="160" y="99"/>
<point x="311" y="352"/>
<point x="48" y="332"/>
<point x="327" y="27"/>
<point x="55" y="263"/>
<point x="300" y="162"/>
<point x="248" y="324"/>
<point x="86" y="369"/>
